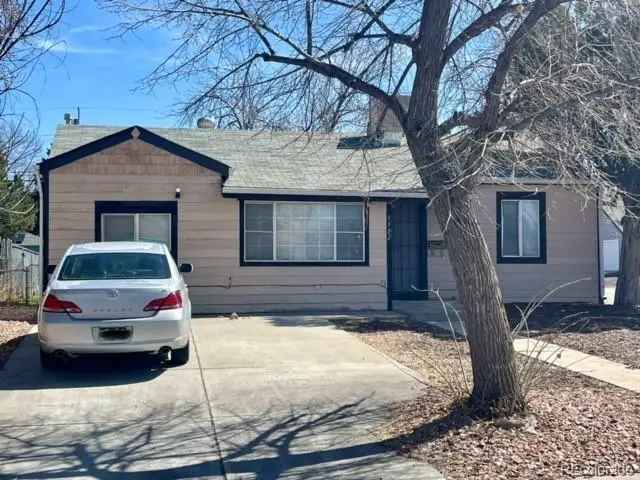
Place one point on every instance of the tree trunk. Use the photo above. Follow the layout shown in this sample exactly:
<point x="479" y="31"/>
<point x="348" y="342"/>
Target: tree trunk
<point x="496" y="388"/>
<point x="628" y="284"/>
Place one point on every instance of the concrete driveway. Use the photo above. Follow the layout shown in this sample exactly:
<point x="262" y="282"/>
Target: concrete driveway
<point x="262" y="397"/>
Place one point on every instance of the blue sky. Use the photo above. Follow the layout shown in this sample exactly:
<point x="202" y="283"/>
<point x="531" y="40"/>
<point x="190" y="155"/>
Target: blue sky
<point x="90" y="69"/>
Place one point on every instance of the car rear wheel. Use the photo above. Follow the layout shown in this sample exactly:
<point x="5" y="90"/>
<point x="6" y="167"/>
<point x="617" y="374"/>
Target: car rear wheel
<point x="48" y="361"/>
<point x="180" y="356"/>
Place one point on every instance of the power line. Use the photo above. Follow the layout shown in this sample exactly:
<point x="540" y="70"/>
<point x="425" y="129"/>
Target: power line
<point x="117" y="109"/>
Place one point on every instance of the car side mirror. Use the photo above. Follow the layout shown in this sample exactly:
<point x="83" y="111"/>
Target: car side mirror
<point x="186" y="268"/>
<point x="51" y="269"/>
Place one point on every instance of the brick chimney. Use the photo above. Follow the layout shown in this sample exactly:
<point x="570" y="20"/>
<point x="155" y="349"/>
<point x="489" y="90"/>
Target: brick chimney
<point x="385" y="125"/>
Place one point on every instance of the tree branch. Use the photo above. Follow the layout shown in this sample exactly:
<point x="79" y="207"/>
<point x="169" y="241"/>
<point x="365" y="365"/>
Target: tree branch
<point x="358" y="35"/>
<point x="601" y="92"/>
<point x="394" y="37"/>
<point x="348" y="79"/>
<point x="494" y="87"/>
<point x="478" y="27"/>
<point x="458" y="119"/>
<point x="309" y="12"/>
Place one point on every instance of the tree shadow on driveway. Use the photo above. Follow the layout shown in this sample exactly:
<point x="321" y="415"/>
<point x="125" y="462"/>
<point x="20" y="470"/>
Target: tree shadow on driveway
<point x="309" y="444"/>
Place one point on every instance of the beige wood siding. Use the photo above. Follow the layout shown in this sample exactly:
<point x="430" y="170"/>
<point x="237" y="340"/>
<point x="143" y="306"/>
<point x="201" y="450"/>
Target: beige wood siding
<point x="208" y="234"/>
<point x="571" y="251"/>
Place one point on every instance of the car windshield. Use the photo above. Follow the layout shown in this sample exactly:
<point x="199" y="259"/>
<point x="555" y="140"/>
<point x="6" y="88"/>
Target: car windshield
<point x="111" y="266"/>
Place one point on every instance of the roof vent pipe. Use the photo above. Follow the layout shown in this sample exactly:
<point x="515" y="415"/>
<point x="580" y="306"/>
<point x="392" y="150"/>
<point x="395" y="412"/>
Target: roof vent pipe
<point x="204" y="122"/>
<point x="69" y="120"/>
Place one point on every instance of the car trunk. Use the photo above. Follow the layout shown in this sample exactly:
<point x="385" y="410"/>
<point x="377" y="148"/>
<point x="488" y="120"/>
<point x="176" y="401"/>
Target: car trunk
<point x="116" y="299"/>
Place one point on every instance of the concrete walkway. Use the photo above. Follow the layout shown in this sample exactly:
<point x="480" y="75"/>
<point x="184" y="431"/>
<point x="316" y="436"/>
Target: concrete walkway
<point x="261" y="398"/>
<point x="589" y="365"/>
<point x="432" y="313"/>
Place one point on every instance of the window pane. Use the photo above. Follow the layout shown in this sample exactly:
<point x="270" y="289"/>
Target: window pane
<point x="118" y="228"/>
<point x="155" y="228"/>
<point x="350" y="246"/>
<point x="304" y="232"/>
<point x="326" y="253"/>
<point x="349" y="218"/>
<point x="258" y="246"/>
<point x="294" y="253"/>
<point x="530" y="218"/>
<point x="259" y="217"/>
<point x="107" y="266"/>
<point x="510" y="245"/>
<point x="312" y="252"/>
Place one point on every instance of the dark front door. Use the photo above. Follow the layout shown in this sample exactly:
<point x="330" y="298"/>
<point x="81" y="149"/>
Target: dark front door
<point x="407" y="249"/>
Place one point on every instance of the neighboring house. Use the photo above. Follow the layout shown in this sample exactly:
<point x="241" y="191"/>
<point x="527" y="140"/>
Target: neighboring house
<point x="282" y="222"/>
<point x="25" y="250"/>
<point x="28" y="240"/>
<point x="20" y="252"/>
<point x="20" y="265"/>
<point x="611" y="237"/>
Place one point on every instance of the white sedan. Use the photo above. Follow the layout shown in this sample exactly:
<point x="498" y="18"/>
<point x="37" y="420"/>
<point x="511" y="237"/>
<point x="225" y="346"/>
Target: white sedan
<point x="115" y="297"/>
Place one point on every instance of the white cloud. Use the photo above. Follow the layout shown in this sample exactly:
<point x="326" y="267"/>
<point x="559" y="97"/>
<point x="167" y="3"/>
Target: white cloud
<point x="68" y="48"/>
<point x="87" y="29"/>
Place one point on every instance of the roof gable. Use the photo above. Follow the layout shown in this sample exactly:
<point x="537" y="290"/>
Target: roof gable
<point x="135" y="132"/>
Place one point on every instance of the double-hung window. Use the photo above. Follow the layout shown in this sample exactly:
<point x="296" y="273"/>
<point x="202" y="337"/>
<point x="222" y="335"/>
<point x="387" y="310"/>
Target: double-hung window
<point x="137" y="221"/>
<point x="303" y="232"/>
<point x="521" y="227"/>
<point x="143" y="227"/>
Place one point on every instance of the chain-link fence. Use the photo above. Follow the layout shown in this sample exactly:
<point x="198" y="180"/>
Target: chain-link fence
<point x="19" y="272"/>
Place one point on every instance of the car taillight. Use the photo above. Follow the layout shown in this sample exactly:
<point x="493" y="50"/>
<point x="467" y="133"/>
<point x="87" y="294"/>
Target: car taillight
<point x="54" y="305"/>
<point x="170" y="302"/>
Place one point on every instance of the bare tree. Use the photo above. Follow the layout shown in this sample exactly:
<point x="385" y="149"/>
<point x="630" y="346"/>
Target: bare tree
<point x="591" y="56"/>
<point x="25" y="35"/>
<point x="616" y="26"/>
<point x="18" y="201"/>
<point x="246" y="101"/>
<point x="26" y="28"/>
<point x="454" y="57"/>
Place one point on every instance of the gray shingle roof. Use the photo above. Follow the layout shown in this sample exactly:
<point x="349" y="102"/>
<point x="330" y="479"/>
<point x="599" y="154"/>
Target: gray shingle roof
<point x="278" y="160"/>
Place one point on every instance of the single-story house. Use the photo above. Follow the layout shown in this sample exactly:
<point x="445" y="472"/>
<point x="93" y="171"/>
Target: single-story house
<point x="276" y="221"/>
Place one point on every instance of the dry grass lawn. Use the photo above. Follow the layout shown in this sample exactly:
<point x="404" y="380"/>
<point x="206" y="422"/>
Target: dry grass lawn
<point x="576" y="425"/>
<point x="15" y="323"/>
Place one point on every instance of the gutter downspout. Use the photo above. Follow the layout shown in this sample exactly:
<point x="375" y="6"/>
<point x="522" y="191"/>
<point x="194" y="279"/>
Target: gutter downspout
<point x="40" y="228"/>
<point x="43" y="193"/>
<point x="601" y="291"/>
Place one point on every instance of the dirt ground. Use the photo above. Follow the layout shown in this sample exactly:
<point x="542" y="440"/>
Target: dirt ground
<point x="576" y="426"/>
<point x="15" y="323"/>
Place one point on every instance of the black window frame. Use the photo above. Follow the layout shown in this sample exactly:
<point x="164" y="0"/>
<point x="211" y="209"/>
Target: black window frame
<point x="542" y="211"/>
<point x="305" y="199"/>
<point x="167" y="207"/>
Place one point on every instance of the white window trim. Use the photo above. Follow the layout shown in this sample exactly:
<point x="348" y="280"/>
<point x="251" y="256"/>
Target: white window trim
<point x="520" y="228"/>
<point x="275" y="238"/>
<point x="136" y="224"/>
